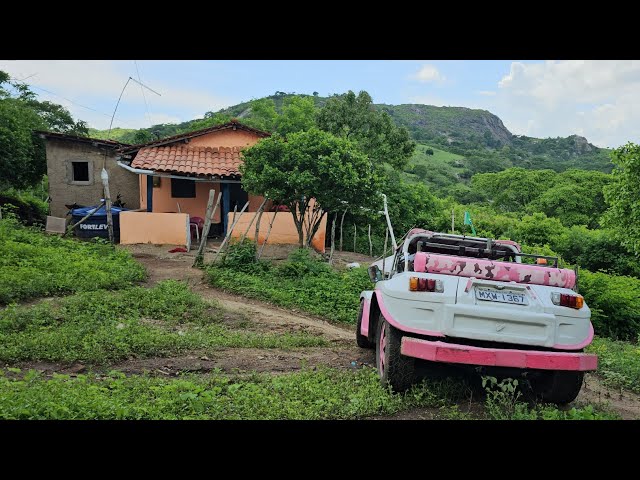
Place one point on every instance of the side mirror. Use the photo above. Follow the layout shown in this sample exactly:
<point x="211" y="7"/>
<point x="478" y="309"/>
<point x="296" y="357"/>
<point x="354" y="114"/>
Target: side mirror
<point x="374" y="273"/>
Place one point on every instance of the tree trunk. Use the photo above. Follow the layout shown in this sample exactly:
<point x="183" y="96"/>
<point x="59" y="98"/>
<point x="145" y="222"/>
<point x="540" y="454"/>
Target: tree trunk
<point x="341" y="222"/>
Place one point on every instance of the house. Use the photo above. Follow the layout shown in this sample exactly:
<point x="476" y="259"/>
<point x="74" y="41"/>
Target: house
<point x="73" y="169"/>
<point x="176" y="173"/>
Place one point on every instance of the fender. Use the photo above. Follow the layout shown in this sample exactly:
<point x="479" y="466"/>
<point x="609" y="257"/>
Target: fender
<point x="366" y="312"/>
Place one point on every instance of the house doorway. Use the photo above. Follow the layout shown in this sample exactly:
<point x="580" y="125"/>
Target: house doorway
<point x="233" y="196"/>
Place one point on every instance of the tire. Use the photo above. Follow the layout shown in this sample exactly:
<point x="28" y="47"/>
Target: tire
<point x="394" y="369"/>
<point x="361" y="340"/>
<point x="559" y="387"/>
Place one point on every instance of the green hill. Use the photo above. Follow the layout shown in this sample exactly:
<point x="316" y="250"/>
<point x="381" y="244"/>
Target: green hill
<point x="477" y="137"/>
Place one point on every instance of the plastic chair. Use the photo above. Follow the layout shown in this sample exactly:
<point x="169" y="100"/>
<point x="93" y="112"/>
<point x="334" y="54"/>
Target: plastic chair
<point x="198" y="223"/>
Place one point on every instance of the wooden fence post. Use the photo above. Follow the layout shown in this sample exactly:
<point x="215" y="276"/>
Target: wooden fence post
<point x="107" y="201"/>
<point x="355" y="235"/>
<point x="341" y="222"/>
<point x="259" y="211"/>
<point x="273" y="219"/>
<point x="228" y="236"/>
<point x="207" y="225"/>
<point x="333" y="238"/>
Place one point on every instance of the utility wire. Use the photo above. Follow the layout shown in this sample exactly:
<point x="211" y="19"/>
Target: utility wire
<point x="65" y="98"/>
<point x="144" y="97"/>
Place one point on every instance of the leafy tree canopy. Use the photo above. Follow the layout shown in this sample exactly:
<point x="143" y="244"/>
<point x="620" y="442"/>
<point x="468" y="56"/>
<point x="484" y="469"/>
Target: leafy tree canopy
<point x="623" y="196"/>
<point x="356" y="118"/>
<point x="22" y="155"/>
<point x="309" y="165"/>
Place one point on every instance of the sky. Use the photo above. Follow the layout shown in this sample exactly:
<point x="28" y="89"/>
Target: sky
<point x="597" y="99"/>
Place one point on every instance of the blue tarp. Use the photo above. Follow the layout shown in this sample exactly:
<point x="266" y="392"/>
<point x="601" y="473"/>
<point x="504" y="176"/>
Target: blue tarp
<point x="102" y="212"/>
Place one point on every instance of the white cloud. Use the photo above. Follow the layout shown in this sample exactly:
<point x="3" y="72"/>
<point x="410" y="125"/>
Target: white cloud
<point x="599" y="99"/>
<point x="97" y="84"/>
<point x="487" y="93"/>
<point x="428" y="73"/>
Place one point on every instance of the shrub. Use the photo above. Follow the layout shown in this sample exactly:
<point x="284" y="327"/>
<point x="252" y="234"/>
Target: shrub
<point x="241" y="256"/>
<point x="615" y="303"/>
<point x="300" y="263"/>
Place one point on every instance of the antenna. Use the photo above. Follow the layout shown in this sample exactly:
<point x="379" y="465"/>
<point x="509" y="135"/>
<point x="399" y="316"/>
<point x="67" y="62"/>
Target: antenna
<point x="120" y="97"/>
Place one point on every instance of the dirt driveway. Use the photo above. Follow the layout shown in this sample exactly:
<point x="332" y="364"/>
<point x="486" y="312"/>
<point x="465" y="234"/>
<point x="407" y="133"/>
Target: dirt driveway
<point x="342" y="352"/>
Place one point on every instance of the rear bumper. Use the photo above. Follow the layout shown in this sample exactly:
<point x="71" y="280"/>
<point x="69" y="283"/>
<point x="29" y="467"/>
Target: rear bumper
<point x="496" y="357"/>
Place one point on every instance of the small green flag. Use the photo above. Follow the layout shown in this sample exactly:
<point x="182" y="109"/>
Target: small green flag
<point x="467" y="221"/>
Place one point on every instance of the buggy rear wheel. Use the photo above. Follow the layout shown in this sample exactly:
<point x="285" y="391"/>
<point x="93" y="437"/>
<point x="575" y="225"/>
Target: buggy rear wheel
<point x="559" y="387"/>
<point x="394" y="369"/>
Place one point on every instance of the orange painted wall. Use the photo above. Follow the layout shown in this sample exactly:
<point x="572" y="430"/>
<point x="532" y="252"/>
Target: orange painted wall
<point x="196" y="207"/>
<point x="155" y="228"/>
<point x="283" y="230"/>
<point x="225" y="138"/>
<point x="164" y="202"/>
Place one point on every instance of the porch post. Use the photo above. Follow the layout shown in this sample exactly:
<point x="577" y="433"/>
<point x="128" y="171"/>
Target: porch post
<point x="226" y="202"/>
<point x="149" y="193"/>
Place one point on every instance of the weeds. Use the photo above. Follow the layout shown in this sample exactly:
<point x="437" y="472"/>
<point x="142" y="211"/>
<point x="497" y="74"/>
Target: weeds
<point x="110" y="326"/>
<point x="321" y="394"/>
<point x="502" y="402"/>
<point x="302" y="282"/>
<point x="618" y="362"/>
<point x="34" y="265"/>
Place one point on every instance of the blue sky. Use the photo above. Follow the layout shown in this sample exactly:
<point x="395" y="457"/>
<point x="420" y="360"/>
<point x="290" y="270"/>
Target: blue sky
<point x="597" y="99"/>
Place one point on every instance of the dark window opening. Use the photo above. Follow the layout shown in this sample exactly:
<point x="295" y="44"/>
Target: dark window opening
<point x="237" y="196"/>
<point x="183" y="188"/>
<point x="80" y="171"/>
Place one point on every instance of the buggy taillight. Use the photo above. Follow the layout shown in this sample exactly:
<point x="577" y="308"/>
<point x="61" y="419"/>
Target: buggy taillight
<point x="417" y="284"/>
<point x="567" y="300"/>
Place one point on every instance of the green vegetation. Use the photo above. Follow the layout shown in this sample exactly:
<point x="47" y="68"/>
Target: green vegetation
<point x="355" y="117"/>
<point x="615" y="304"/>
<point x="308" y="395"/>
<point x="623" y="197"/>
<point x="305" y="166"/>
<point x="22" y="155"/>
<point x="140" y="322"/>
<point x="33" y="264"/>
<point x="27" y="204"/>
<point x="302" y="282"/>
<point x="618" y="362"/>
<point x="503" y="402"/>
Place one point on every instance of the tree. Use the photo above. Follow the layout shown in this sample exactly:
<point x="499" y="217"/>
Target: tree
<point x="429" y="151"/>
<point x="142" y="136"/>
<point x="623" y="196"/>
<point x="309" y="165"/>
<point x="513" y="189"/>
<point x="298" y="115"/>
<point x="263" y="114"/>
<point x="315" y="94"/>
<point x="356" y="118"/>
<point x="22" y="155"/>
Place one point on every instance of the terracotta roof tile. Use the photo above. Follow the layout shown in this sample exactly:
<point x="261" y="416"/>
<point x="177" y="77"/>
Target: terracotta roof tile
<point x="223" y="161"/>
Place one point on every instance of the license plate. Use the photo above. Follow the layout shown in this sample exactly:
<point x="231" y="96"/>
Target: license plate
<point x="501" y="296"/>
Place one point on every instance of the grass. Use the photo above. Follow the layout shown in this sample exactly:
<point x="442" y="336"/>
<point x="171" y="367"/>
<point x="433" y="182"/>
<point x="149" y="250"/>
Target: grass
<point x="303" y="282"/>
<point x="33" y="264"/>
<point x="322" y="394"/>
<point x="442" y="168"/>
<point x="138" y="322"/>
<point x="309" y="395"/>
<point x="618" y="362"/>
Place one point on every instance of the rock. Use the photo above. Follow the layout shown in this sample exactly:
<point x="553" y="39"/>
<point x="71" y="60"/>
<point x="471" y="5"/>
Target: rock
<point x="353" y="265"/>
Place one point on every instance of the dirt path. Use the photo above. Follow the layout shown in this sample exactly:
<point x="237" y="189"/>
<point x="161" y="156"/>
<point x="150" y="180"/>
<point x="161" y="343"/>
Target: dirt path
<point x="179" y="267"/>
<point x="624" y="403"/>
<point x="163" y="266"/>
